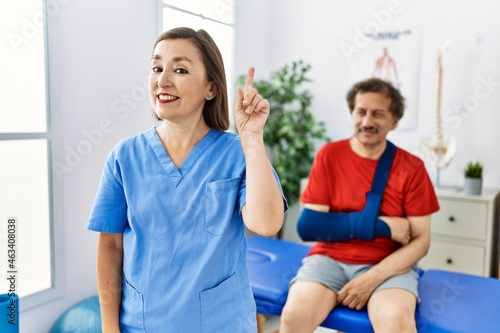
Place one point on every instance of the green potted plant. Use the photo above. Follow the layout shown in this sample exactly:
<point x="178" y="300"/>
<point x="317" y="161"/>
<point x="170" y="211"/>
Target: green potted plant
<point x="473" y="182"/>
<point x="291" y="131"/>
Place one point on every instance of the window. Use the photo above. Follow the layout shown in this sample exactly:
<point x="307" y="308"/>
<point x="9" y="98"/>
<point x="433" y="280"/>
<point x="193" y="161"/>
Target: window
<point x="25" y="174"/>
<point x="214" y="16"/>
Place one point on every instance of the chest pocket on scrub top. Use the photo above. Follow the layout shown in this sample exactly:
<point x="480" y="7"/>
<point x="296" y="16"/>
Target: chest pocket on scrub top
<point x="220" y="202"/>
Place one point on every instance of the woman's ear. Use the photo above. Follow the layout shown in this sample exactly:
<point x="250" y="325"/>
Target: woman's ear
<point x="212" y="91"/>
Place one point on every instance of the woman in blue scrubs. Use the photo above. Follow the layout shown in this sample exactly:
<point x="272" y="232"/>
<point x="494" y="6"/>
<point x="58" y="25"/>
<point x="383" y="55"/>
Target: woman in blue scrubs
<point x="173" y="201"/>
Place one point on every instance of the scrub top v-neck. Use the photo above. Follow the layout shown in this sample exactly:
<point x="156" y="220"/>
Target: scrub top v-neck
<point x="184" y="266"/>
<point x="162" y="155"/>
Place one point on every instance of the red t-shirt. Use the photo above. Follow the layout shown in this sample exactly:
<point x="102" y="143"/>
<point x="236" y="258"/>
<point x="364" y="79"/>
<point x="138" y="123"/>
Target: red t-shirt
<point x="340" y="178"/>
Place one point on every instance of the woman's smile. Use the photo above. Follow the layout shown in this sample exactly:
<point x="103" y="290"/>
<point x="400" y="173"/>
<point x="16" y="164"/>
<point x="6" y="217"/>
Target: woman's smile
<point x="166" y="98"/>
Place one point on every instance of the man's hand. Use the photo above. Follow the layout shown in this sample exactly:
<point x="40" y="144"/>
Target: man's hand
<point x="356" y="293"/>
<point x="400" y="228"/>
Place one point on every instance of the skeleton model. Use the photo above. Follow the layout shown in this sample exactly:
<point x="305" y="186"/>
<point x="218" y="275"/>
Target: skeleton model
<point x="438" y="150"/>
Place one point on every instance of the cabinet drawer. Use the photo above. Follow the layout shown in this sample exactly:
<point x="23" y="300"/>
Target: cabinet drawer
<point x="454" y="257"/>
<point x="460" y="218"/>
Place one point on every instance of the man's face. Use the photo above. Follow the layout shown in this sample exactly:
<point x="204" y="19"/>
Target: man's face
<point x="372" y="119"/>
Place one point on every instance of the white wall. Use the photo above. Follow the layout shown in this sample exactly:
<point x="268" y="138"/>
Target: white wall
<point x="252" y="42"/>
<point x="98" y="52"/>
<point x="314" y="30"/>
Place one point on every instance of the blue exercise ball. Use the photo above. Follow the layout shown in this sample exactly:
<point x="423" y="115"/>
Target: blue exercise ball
<point x="83" y="317"/>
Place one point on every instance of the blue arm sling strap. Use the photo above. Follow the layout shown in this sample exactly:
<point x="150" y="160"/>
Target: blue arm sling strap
<point x="339" y="227"/>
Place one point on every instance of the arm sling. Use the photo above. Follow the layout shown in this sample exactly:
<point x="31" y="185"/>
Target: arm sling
<point x="339" y="227"/>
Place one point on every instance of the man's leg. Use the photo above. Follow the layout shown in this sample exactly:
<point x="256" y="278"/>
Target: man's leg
<point x="261" y="320"/>
<point x="307" y="305"/>
<point x="392" y="310"/>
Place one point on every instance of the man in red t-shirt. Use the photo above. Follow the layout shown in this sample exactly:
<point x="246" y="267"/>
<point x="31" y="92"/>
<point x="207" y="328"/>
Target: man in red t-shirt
<point x="382" y="273"/>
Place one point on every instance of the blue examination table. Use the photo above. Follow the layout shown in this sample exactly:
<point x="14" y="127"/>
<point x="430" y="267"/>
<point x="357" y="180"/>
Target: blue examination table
<point x="450" y="302"/>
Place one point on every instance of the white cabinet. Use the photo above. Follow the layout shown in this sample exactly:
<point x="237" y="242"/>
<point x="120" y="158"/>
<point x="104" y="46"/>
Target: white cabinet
<point x="465" y="233"/>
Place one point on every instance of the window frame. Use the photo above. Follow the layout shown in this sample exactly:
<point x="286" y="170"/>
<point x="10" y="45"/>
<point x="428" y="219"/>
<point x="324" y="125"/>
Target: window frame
<point x="54" y="214"/>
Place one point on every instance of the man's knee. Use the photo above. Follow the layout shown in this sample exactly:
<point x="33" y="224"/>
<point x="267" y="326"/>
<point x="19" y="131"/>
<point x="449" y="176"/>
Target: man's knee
<point x="291" y="313"/>
<point x="307" y="303"/>
<point x="391" y="313"/>
<point x="297" y="317"/>
<point x="296" y="309"/>
<point x="393" y="317"/>
<point x="394" y="323"/>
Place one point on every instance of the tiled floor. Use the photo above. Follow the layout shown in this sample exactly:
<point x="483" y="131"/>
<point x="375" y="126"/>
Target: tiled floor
<point x="273" y="323"/>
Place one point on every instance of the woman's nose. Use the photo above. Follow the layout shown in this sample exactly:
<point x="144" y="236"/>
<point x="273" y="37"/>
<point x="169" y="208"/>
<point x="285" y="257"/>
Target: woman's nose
<point x="164" y="80"/>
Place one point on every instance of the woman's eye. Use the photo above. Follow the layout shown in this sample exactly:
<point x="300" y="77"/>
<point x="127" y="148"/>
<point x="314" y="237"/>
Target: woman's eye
<point x="156" y="69"/>
<point x="180" y="71"/>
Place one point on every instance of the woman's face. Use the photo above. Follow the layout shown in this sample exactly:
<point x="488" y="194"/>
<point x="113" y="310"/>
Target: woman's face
<point x="177" y="83"/>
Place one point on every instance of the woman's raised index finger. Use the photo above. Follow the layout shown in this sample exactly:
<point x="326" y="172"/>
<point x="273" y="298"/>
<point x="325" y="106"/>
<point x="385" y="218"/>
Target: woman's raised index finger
<point x="249" y="80"/>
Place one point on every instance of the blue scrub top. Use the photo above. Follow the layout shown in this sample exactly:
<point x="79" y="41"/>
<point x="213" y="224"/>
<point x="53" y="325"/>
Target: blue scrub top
<point x="184" y="265"/>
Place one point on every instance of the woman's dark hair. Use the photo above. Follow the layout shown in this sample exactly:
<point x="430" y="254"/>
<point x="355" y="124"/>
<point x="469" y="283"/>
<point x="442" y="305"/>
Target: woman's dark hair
<point x="375" y="85"/>
<point x="216" y="110"/>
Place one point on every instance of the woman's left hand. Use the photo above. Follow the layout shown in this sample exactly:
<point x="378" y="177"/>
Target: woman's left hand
<point x="250" y="109"/>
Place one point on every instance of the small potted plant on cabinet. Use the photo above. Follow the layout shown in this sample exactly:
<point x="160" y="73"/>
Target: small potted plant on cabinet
<point x="473" y="181"/>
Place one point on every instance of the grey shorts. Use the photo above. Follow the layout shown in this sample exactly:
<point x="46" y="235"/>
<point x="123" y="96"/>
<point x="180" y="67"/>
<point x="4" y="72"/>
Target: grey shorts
<point x="334" y="274"/>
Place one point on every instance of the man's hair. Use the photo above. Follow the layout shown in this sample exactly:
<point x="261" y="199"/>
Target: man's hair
<point x="375" y="85"/>
<point x="216" y="110"/>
